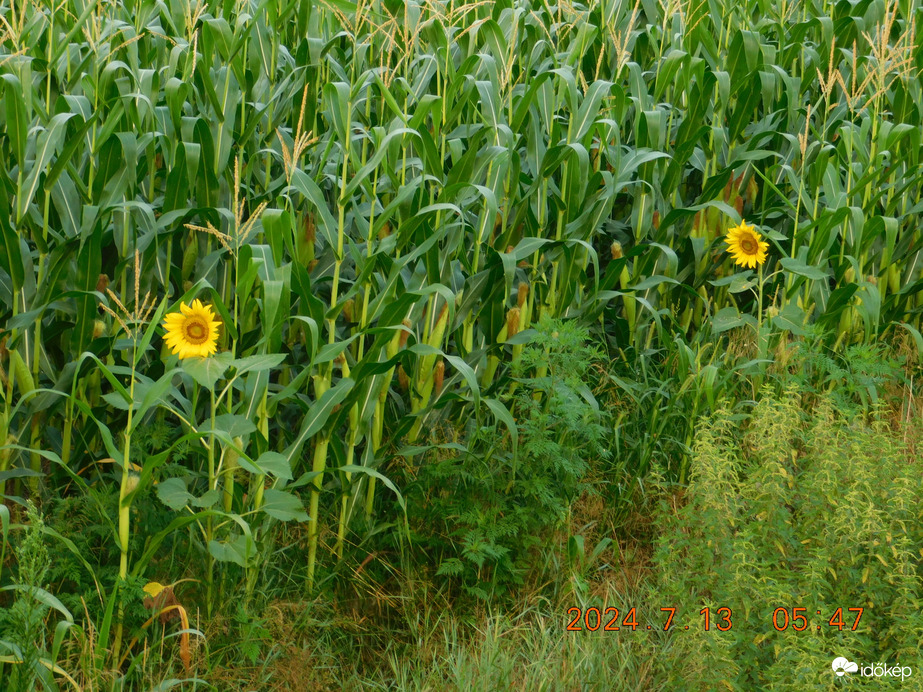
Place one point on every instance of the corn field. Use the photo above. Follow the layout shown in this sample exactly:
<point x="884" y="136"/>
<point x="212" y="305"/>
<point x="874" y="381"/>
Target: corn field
<point x="383" y="204"/>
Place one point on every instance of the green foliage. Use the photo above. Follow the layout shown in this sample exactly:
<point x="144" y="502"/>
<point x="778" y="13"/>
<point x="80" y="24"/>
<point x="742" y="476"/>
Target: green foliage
<point x="84" y="519"/>
<point x="359" y="190"/>
<point x="486" y="509"/>
<point x="798" y="510"/>
<point x="22" y="625"/>
<point x="856" y="381"/>
<point x="657" y="394"/>
<point x="527" y="647"/>
<point x="250" y="634"/>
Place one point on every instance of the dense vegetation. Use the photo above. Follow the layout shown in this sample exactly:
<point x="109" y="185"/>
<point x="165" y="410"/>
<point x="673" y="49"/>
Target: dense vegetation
<point x="482" y="353"/>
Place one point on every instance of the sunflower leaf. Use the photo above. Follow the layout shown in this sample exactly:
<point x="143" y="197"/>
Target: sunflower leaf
<point x="172" y="492"/>
<point x="735" y="279"/>
<point x="739" y="284"/>
<point x="234" y="425"/>
<point x="240" y="550"/>
<point x="207" y="371"/>
<point x="724" y="319"/>
<point x="791" y="318"/>
<point x="796" y="266"/>
<point x="269" y="462"/>
<point x="283" y="506"/>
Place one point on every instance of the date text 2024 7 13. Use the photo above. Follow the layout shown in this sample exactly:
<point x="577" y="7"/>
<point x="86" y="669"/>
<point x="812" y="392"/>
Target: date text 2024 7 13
<point x="592" y="618"/>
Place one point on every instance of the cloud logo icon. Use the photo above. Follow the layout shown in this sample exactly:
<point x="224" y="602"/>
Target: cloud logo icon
<point x="841" y="666"/>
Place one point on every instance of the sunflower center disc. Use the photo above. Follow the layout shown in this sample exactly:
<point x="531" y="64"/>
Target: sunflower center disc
<point x="196" y="332"/>
<point x="748" y="246"/>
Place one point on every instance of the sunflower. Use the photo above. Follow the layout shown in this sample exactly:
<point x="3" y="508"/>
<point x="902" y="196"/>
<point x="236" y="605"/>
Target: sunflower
<point x="746" y="245"/>
<point x="193" y="331"/>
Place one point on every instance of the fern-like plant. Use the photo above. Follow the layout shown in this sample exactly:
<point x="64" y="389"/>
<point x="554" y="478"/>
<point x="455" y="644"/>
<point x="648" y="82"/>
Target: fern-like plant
<point x="487" y="509"/>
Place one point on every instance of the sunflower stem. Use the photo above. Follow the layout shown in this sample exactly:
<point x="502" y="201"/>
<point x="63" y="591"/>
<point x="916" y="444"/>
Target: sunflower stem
<point x="209" y="524"/>
<point x="125" y="508"/>
<point x="760" y="340"/>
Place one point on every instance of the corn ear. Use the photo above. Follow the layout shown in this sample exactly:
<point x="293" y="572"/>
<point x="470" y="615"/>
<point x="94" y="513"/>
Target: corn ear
<point x="190" y="256"/>
<point x="20" y="374"/>
<point x="231" y="465"/>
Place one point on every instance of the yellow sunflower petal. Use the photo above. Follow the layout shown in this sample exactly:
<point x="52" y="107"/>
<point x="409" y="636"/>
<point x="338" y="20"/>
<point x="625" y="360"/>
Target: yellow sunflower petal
<point x="193" y="331"/>
<point x="746" y="246"/>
